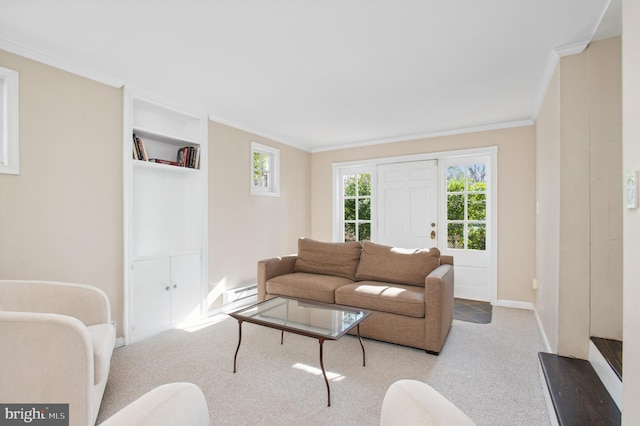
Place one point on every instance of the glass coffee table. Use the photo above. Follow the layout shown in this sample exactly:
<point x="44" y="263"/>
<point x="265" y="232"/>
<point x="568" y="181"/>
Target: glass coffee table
<point x="322" y="321"/>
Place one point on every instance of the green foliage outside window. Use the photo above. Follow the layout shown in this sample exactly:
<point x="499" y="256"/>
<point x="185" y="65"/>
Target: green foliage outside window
<point x="261" y="169"/>
<point x="466" y="207"/>
<point x="357" y="207"/>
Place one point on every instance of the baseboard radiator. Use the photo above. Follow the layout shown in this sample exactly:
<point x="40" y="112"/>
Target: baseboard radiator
<point x="237" y="294"/>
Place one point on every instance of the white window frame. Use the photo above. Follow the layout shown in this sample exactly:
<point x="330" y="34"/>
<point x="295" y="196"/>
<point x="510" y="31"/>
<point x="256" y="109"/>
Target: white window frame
<point x="9" y="141"/>
<point x="273" y="188"/>
<point x="339" y="173"/>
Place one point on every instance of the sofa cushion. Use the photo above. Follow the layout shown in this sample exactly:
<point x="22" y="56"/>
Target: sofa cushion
<point x="385" y="297"/>
<point x="103" y="339"/>
<point x="396" y="265"/>
<point x="302" y="285"/>
<point x="339" y="259"/>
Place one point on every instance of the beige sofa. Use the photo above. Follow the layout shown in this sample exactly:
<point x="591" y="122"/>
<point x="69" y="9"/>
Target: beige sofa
<point x="57" y="340"/>
<point x="410" y="292"/>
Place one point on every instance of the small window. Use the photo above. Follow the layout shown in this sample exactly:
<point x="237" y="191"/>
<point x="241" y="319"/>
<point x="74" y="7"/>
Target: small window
<point x="9" y="159"/>
<point x="265" y="170"/>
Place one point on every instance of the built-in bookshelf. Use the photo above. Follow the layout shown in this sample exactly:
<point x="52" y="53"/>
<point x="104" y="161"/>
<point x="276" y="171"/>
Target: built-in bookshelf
<point x="165" y="186"/>
<point x="155" y="148"/>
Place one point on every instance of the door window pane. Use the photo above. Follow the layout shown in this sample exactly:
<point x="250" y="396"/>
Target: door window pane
<point x="455" y="232"/>
<point x="455" y="207"/>
<point x="364" y="208"/>
<point x="477" y="206"/>
<point x="350" y="231"/>
<point x="477" y="236"/>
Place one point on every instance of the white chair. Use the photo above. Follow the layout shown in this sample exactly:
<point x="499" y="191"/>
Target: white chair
<point x="172" y="404"/>
<point x="410" y="402"/>
<point x="57" y="340"/>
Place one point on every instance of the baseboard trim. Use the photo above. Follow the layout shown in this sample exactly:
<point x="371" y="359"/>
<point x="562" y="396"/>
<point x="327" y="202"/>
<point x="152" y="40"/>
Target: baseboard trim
<point x="513" y="304"/>
<point x="119" y="342"/>
<point x="547" y="346"/>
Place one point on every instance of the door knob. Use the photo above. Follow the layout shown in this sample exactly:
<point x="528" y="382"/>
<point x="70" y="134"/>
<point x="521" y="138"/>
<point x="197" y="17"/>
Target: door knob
<point x="433" y="235"/>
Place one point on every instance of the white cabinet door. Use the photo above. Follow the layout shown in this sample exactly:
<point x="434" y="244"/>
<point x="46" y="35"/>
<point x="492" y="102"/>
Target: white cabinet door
<point x="186" y="288"/>
<point x="151" y="296"/>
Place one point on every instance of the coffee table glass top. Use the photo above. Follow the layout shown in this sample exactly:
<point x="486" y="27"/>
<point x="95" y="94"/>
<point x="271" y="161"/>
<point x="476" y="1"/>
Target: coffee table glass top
<point x="323" y="320"/>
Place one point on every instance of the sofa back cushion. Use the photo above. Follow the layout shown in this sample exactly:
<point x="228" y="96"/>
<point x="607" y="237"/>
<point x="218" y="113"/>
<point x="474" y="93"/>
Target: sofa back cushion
<point x="395" y="265"/>
<point x="339" y="259"/>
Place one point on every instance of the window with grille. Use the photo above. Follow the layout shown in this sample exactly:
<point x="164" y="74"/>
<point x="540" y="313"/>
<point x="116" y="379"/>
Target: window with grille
<point x="356" y="206"/>
<point x="467" y="207"/>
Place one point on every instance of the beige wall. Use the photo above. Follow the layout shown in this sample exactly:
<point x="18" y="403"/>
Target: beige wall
<point x="548" y="208"/>
<point x="605" y="128"/>
<point x="516" y="195"/>
<point x="631" y="218"/>
<point x="579" y="198"/>
<point x="61" y="218"/>
<point x="245" y="228"/>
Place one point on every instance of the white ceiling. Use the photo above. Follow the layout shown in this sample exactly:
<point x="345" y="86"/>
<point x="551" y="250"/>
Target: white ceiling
<point x="319" y="74"/>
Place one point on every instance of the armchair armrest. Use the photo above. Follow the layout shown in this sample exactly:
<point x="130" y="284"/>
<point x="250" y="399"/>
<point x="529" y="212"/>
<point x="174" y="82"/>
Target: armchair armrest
<point x="273" y="267"/>
<point x="167" y="405"/>
<point x="87" y="303"/>
<point x="438" y="299"/>
<point x="47" y="358"/>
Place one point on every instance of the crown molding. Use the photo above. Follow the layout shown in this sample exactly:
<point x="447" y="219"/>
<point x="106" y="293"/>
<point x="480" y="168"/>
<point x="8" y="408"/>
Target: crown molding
<point x="552" y="62"/>
<point x="429" y="135"/>
<point x="257" y="133"/>
<point x="59" y="63"/>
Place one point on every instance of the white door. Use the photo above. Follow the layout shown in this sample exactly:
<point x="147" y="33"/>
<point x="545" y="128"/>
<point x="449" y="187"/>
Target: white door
<point x="150" y="296"/>
<point x="407" y="204"/>
<point x="186" y="289"/>
<point x="467" y="224"/>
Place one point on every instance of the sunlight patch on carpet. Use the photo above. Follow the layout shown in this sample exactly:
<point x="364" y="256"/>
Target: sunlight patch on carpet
<point x="208" y="322"/>
<point x="334" y="377"/>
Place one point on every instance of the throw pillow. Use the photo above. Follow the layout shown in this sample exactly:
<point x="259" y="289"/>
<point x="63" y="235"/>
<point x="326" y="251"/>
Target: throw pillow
<point x="339" y="259"/>
<point x="396" y="265"/>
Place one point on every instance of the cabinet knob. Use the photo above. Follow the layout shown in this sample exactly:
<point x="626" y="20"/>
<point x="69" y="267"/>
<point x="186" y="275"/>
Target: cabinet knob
<point x="167" y="288"/>
<point x="175" y="286"/>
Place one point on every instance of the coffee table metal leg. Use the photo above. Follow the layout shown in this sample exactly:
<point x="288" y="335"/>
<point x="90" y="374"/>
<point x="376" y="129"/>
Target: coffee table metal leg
<point x="361" y="345"/>
<point x="324" y="373"/>
<point x="235" y="357"/>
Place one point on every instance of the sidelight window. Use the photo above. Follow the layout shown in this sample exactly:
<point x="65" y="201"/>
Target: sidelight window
<point x="356" y="206"/>
<point x="467" y="206"/>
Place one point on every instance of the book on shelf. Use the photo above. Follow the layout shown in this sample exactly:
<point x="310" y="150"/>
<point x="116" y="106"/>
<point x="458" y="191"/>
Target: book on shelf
<point x="139" y="150"/>
<point x="189" y="156"/>
<point x="161" y="161"/>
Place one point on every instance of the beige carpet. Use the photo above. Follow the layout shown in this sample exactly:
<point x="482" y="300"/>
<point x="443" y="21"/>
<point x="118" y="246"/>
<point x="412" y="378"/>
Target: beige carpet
<point x="489" y="370"/>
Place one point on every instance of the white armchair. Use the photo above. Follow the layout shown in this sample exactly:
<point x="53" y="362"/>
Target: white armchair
<point x="172" y="404"/>
<point x="57" y="340"/>
<point x="414" y="403"/>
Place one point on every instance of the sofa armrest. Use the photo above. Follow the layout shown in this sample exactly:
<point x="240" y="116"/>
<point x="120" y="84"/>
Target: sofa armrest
<point x="87" y="303"/>
<point x="438" y="299"/>
<point x="167" y="405"/>
<point x="47" y="358"/>
<point x="273" y="267"/>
